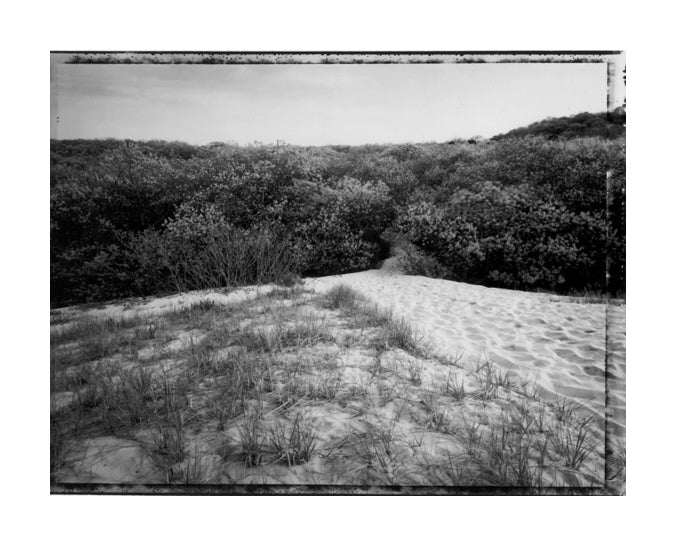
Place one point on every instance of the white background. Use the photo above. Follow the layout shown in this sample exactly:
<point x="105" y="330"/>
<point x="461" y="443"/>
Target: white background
<point x="31" y="515"/>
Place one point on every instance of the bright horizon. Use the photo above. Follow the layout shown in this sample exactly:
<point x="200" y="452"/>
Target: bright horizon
<point x="316" y="104"/>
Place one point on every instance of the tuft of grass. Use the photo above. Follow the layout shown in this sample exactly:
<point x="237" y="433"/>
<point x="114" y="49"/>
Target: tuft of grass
<point x="168" y="448"/>
<point x="327" y="388"/>
<point x="616" y="460"/>
<point x="226" y="404"/>
<point x="400" y="334"/>
<point x="565" y="409"/>
<point x="169" y="444"/>
<point x="342" y="296"/>
<point x="456" y="470"/>
<point x="387" y="392"/>
<point x="376" y="367"/>
<point x="396" y="333"/>
<point x="113" y="399"/>
<point x="454" y="388"/>
<point x="505" y="380"/>
<point x="202" y="306"/>
<point x="491" y="380"/>
<point x="91" y="328"/>
<point x="529" y="419"/>
<point x="539" y="417"/>
<point x="455" y="360"/>
<point x="146" y="332"/>
<point x="251" y="440"/>
<point x="506" y="458"/>
<point x="93" y="394"/>
<point x="292" y="443"/>
<point x="89" y="340"/>
<point x="414" y="370"/>
<point x="574" y="443"/>
<point x="202" y="360"/>
<point x="296" y="389"/>
<point x="200" y="314"/>
<point x="472" y="438"/>
<point x="58" y="441"/>
<point x="303" y="334"/>
<point x="377" y="451"/>
<point x="521" y="420"/>
<point x="292" y="392"/>
<point x="437" y="417"/>
<point x="286" y="293"/>
<point x="76" y="377"/>
<point x="196" y="470"/>
<point x="528" y="388"/>
<point x="367" y="316"/>
<point x="124" y="401"/>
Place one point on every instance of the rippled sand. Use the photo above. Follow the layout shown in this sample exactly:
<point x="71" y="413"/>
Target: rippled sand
<point x="560" y="343"/>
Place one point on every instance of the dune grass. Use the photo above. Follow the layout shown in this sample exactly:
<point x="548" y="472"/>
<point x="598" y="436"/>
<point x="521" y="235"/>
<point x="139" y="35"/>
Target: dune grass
<point x="298" y="387"/>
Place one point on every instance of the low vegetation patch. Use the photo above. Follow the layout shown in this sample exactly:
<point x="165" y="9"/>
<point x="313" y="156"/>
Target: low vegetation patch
<point x="269" y="391"/>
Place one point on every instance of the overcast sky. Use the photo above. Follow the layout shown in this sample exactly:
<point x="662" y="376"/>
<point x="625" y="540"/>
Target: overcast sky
<point x="316" y="104"/>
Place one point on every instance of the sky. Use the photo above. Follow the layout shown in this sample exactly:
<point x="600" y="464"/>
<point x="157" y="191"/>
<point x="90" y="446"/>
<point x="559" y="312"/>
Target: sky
<point x="316" y="104"/>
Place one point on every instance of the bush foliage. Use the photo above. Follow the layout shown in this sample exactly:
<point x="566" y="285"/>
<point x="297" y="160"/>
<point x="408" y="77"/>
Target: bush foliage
<point x="139" y="218"/>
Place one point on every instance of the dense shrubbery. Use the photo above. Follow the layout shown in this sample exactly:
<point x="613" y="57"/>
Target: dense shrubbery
<point x="131" y="222"/>
<point x="339" y="229"/>
<point x="607" y="125"/>
<point x="145" y="218"/>
<point x="529" y="241"/>
<point x="451" y="240"/>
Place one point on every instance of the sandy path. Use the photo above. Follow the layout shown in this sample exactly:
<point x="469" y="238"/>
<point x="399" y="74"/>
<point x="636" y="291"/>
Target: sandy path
<point x="558" y="342"/>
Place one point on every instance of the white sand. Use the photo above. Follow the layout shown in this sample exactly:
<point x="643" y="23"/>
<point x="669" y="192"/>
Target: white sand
<point x="558" y="342"/>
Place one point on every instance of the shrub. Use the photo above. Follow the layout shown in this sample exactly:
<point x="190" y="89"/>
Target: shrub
<point x="532" y="242"/>
<point x="202" y="250"/>
<point x="450" y="240"/>
<point x="90" y="273"/>
<point x="413" y="261"/>
<point x="509" y="236"/>
<point x="326" y="245"/>
<point x="339" y="227"/>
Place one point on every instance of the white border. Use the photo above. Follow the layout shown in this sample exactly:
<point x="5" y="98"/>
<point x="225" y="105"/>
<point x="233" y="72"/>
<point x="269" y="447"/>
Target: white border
<point x="33" y="516"/>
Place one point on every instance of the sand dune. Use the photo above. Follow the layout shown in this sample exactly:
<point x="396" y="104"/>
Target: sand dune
<point x="353" y="397"/>
<point x="561" y="343"/>
<point x="568" y="347"/>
